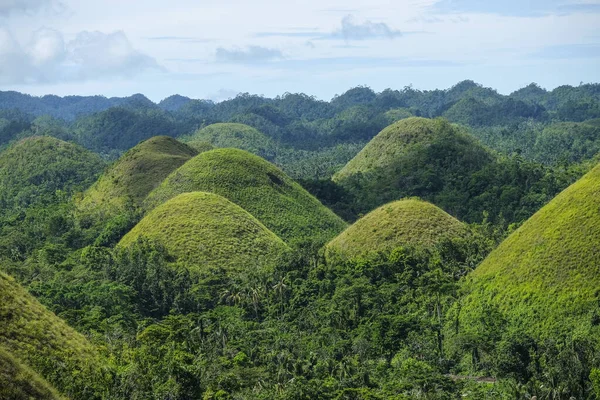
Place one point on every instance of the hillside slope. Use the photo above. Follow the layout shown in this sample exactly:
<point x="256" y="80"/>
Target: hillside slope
<point x="131" y="178"/>
<point x="545" y="277"/>
<point x="257" y="186"/>
<point x="413" y="157"/>
<point x="45" y="343"/>
<point x="401" y="223"/>
<point x="18" y="382"/>
<point x="205" y="230"/>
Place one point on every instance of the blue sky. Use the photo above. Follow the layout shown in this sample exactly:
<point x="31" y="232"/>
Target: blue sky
<point x="207" y="49"/>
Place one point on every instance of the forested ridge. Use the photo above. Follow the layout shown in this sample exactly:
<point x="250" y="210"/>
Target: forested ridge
<point x="397" y="245"/>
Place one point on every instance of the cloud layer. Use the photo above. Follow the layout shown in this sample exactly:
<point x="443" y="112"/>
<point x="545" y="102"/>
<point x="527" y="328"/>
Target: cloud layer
<point x="8" y="7"/>
<point x="352" y="30"/>
<point x="47" y="58"/>
<point x="252" y="54"/>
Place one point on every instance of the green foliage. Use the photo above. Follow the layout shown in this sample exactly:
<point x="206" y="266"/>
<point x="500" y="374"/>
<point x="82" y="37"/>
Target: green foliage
<point x="401" y="223"/>
<point x="260" y="188"/>
<point x="205" y="230"/>
<point x="19" y="382"/>
<point x="434" y="160"/>
<point x="50" y="347"/>
<point x="544" y="277"/>
<point x="40" y="170"/>
<point x="238" y="136"/>
<point x="131" y="178"/>
<point x="121" y="128"/>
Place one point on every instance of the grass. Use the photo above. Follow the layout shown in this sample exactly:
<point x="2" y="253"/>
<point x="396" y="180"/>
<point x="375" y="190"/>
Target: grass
<point x="545" y="277"/>
<point x="426" y="158"/>
<point x="260" y="188"/>
<point x="19" y="382"/>
<point x="33" y="170"/>
<point x="131" y="178"/>
<point x="205" y="230"/>
<point x="398" y="141"/>
<point x="406" y="222"/>
<point x="47" y="345"/>
<point x="239" y="136"/>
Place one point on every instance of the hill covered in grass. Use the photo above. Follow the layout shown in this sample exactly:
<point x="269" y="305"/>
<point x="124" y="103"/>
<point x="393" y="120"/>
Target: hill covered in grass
<point x="40" y="170"/>
<point x="131" y="178"/>
<point x="239" y="136"/>
<point x="443" y="164"/>
<point x="257" y="186"/>
<point x="47" y="345"/>
<point x="545" y="276"/>
<point x="19" y="382"/>
<point x="206" y="231"/>
<point x="408" y="222"/>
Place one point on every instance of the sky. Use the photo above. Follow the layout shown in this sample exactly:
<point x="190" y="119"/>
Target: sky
<point x="216" y="49"/>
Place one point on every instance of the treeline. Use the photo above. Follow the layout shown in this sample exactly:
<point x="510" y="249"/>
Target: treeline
<point x="302" y="123"/>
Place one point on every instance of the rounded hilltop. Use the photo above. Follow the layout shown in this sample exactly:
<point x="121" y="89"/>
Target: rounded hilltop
<point x="409" y="222"/>
<point x="34" y="169"/>
<point x="412" y="157"/>
<point x="129" y="180"/>
<point x="234" y="135"/>
<point x="205" y="230"/>
<point x="258" y="187"/>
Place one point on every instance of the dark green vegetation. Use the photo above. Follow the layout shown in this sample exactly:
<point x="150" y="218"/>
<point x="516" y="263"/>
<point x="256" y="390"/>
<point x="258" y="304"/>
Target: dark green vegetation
<point x="131" y="178"/>
<point x="443" y="164"/>
<point x="545" y="277"/>
<point x="45" y="343"/>
<point x="402" y="223"/>
<point x="19" y="382"/>
<point x="238" y="136"/>
<point x="203" y="301"/>
<point x="207" y="231"/>
<point x="257" y="186"/>
<point x="38" y="176"/>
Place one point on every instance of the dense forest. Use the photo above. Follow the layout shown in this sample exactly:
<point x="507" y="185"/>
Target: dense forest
<point x="397" y="245"/>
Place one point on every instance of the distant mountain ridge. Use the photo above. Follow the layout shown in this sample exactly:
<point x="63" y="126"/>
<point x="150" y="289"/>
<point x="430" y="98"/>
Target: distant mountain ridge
<point x="71" y="107"/>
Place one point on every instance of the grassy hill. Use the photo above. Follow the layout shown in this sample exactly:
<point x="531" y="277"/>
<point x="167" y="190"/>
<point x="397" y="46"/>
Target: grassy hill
<point x="414" y="157"/>
<point x="257" y="186"/>
<point x="545" y="277"/>
<point x="39" y="170"/>
<point x="239" y="136"/>
<point x="129" y="180"/>
<point x="206" y="230"/>
<point x="47" y="345"/>
<point x="19" y="382"/>
<point x="404" y="222"/>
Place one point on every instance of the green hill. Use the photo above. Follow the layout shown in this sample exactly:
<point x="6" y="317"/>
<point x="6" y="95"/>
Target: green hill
<point x="545" y="277"/>
<point x="404" y="222"/>
<point x="257" y="186"/>
<point x="42" y="170"/>
<point x="239" y="136"/>
<point x="129" y="180"/>
<point x="414" y="157"/>
<point x="208" y="231"/>
<point x="19" y="382"/>
<point x="47" y="345"/>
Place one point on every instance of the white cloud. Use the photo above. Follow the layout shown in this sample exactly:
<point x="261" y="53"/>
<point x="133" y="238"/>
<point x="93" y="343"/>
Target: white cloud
<point x="251" y="54"/>
<point x="8" y="7"/>
<point x="46" y="48"/>
<point x="352" y="30"/>
<point x="97" y="54"/>
<point x="91" y="55"/>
